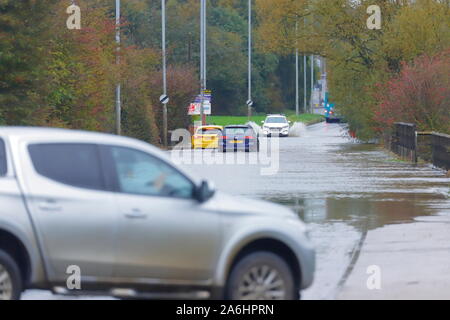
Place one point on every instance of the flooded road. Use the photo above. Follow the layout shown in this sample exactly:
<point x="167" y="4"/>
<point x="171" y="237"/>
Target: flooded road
<point x="342" y="189"/>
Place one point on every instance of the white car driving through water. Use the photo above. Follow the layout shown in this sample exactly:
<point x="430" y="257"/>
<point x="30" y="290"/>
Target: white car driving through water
<point x="277" y="125"/>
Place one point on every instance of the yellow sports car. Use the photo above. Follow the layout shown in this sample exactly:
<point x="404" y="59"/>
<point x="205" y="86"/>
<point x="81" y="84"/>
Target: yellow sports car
<point x="207" y="137"/>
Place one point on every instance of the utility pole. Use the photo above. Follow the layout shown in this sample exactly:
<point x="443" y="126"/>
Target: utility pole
<point x="118" y="87"/>
<point x="189" y="55"/>
<point x="305" y="108"/>
<point x="297" y="97"/>
<point x="312" y="84"/>
<point x="202" y="58"/>
<point x="164" y="98"/>
<point x="249" y="101"/>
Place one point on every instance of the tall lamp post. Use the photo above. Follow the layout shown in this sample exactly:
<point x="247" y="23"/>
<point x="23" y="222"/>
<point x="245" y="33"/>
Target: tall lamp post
<point x="249" y="101"/>
<point x="118" y="107"/>
<point x="305" y="108"/>
<point x="311" y="106"/>
<point x="202" y="58"/>
<point x="164" y="99"/>
<point x="297" y="100"/>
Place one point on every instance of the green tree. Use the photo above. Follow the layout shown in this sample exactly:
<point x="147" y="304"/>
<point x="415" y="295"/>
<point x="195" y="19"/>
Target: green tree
<point x="24" y="41"/>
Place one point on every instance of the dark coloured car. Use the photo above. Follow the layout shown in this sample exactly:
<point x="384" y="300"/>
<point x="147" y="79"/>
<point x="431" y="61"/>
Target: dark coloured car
<point x="239" y="138"/>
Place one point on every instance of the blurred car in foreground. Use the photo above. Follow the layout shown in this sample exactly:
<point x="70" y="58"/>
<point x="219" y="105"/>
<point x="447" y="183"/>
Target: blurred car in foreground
<point x="239" y="137"/>
<point x="136" y="226"/>
<point x="207" y="137"/>
<point x="277" y="125"/>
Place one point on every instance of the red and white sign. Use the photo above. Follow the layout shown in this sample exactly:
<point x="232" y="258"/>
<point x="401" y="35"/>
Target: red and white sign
<point x="194" y="108"/>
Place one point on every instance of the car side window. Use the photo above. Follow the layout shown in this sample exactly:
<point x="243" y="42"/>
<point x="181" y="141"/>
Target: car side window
<point x="72" y="164"/>
<point x="3" y="164"/>
<point x="142" y="174"/>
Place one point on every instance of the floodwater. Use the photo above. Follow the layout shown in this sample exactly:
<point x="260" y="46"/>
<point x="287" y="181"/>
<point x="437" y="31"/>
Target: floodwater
<point x="341" y="188"/>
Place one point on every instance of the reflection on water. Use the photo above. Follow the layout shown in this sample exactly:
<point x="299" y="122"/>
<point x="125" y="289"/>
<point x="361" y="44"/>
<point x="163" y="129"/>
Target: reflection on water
<point x="325" y="177"/>
<point x="341" y="189"/>
<point x="364" y="213"/>
<point x="344" y="189"/>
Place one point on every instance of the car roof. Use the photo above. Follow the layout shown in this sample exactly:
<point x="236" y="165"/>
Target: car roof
<point x="276" y="115"/>
<point x="36" y="133"/>
<point x="238" y="126"/>
<point x="210" y="127"/>
<point x="70" y="135"/>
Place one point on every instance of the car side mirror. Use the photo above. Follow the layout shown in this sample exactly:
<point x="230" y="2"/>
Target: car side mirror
<point x="204" y="191"/>
<point x="262" y="122"/>
<point x="289" y="122"/>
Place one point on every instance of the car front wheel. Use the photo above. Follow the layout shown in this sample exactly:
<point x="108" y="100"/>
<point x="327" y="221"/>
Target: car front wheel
<point x="261" y="276"/>
<point x="10" y="279"/>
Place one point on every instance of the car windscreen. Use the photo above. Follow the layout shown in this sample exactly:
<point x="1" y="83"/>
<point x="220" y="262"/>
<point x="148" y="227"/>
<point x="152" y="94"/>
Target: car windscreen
<point x="210" y="131"/>
<point x="3" y="165"/>
<point x="238" y="131"/>
<point x="276" y="120"/>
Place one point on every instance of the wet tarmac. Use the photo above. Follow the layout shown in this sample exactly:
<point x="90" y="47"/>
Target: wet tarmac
<point x="340" y="187"/>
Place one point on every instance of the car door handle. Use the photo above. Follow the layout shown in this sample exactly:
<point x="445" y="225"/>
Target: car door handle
<point x="49" y="206"/>
<point x="135" y="214"/>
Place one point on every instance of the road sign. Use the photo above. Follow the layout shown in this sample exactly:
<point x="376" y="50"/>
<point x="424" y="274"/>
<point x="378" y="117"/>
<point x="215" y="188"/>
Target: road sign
<point x="250" y="103"/>
<point x="316" y="97"/>
<point x="164" y="99"/>
<point x="194" y="108"/>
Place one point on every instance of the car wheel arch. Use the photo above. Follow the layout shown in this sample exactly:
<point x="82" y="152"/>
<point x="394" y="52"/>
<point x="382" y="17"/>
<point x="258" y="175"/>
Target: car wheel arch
<point x="14" y="247"/>
<point x="268" y="244"/>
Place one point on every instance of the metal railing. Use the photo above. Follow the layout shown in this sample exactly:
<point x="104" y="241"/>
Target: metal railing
<point x="409" y="144"/>
<point x="441" y="150"/>
<point x="404" y="141"/>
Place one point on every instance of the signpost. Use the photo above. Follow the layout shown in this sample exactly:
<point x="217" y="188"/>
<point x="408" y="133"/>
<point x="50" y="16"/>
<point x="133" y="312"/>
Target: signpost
<point x="164" y="99"/>
<point x="195" y="108"/>
<point x="202" y="59"/>
<point x="118" y="107"/>
<point x="249" y="106"/>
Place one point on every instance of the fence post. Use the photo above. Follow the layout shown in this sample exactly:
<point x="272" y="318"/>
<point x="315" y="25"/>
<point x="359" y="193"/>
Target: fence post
<point x="405" y="141"/>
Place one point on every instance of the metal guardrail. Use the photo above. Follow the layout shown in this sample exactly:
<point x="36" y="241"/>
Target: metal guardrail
<point x="441" y="150"/>
<point x="429" y="146"/>
<point x="404" y="141"/>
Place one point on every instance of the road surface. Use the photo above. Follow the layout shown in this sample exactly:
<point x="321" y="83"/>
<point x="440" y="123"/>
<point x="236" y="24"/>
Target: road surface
<point x="343" y="190"/>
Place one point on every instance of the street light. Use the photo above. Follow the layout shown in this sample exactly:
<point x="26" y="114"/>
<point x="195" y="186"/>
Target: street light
<point x="249" y="101"/>
<point x="312" y="84"/>
<point x="164" y="98"/>
<point x="118" y="87"/>
<point x="305" y="108"/>
<point x="297" y="100"/>
<point x="202" y="58"/>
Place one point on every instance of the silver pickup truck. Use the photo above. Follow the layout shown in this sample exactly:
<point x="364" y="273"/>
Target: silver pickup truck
<point x="94" y="213"/>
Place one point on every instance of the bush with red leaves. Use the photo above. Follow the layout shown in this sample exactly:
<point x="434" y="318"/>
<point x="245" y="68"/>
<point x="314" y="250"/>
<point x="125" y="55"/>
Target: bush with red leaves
<point x="420" y="94"/>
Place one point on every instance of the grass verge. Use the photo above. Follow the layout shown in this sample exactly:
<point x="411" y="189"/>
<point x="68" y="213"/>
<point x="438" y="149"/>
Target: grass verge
<point x="306" y="118"/>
